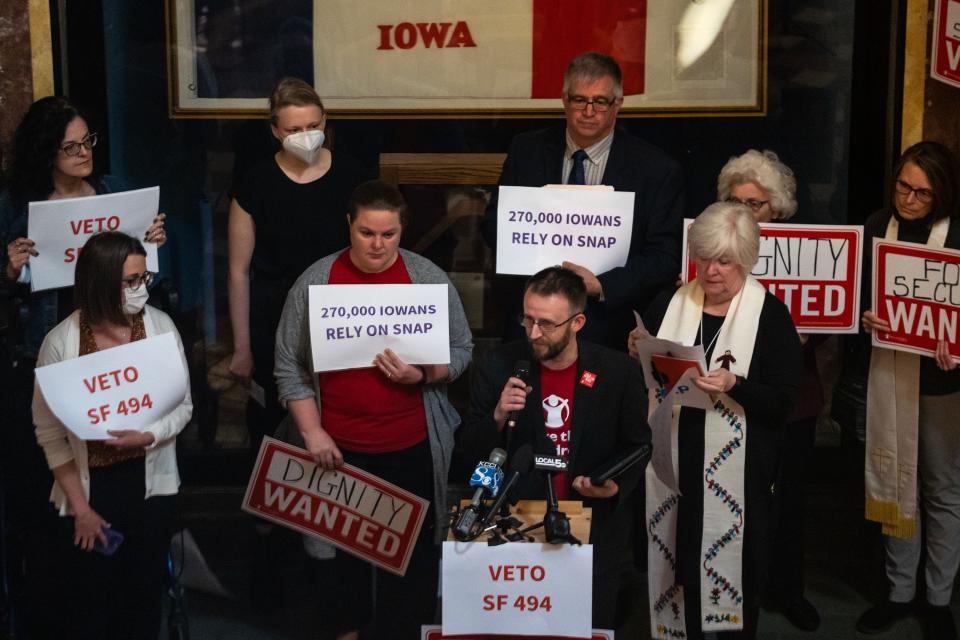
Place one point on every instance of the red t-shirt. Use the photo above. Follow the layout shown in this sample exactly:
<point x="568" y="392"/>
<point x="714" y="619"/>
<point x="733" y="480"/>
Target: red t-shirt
<point x="361" y="409"/>
<point x="556" y="387"/>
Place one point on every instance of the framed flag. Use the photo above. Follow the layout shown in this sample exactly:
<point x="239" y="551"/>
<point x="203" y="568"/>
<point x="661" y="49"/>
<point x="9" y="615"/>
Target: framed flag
<point x="448" y="58"/>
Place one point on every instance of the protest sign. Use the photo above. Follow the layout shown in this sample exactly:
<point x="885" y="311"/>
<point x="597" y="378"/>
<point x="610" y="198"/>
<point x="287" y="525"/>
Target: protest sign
<point x="917" y="290"/>
<point x="126" y="387"/>
<point x="435" y="632"/>
<point x="522" y="589"/>
<point x="539" y="227"/>
<point x="351" y="323"/>
<point x="357" y="512"/>
<point x="814" y="269"/>
<point x="60" y="228"/>
<point x="945" y="43"/>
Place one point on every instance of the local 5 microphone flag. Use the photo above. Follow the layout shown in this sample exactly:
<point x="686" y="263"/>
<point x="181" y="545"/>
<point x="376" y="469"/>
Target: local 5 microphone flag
<point x="126" y="387"/>
<point x="356" y="511"/>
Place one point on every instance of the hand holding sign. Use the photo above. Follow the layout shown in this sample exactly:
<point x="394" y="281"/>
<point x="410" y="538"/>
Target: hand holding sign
<point x="19" y="252"/>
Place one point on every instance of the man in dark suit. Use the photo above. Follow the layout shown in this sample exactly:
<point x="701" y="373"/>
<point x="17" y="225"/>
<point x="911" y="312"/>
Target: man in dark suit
<point x="587" y="399"/>
<point x="592" y="150"/>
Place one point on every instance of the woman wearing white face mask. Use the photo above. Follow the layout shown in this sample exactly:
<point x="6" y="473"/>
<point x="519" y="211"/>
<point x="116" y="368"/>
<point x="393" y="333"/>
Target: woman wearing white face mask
<point x="287" y="212"/>
<point x="125" y="484"/>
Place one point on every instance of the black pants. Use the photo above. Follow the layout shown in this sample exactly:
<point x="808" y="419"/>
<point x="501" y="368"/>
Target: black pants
<point x="119" y="596"/>
<point x="785" y="580"/>
<point x="397" y="606"/>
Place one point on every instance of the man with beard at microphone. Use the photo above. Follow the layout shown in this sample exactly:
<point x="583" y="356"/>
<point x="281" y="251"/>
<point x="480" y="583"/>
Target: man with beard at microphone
<point x="587" y="399"/>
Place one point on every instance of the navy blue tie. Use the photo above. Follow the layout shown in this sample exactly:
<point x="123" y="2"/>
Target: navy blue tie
<point x="577" y="173"/>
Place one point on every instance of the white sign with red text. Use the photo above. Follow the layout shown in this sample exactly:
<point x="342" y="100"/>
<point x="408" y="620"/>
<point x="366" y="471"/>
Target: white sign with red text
<point x="917" y="290"/>
<point x="358" y="512"/>
<point x="126" y="387"/>
<point x="539" y="227"/>
<point x="520" y="589"/>
<point x="351" y="323"/>
<point x="435" y="632"/>
<point x="813" y="268"/>
<point x="945" y="42"/>
<point x="60" y="228"/>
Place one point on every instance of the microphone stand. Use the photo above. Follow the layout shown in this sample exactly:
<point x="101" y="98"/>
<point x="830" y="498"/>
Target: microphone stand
<point x="555" y="523"/>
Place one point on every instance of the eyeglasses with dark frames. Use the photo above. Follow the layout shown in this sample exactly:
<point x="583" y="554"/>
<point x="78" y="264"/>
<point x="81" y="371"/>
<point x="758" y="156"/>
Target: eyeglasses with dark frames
<point x="600" y="104"/>
<point x="72" y="148"/>
<point x="753" y="203"/>
<point x="924" y="196"/>
<point x="135" y="281"/>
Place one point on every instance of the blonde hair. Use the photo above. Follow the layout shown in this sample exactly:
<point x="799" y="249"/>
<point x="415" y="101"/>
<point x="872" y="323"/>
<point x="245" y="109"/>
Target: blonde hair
<point x="292" y="92"/>
<point x="726" y="229"/>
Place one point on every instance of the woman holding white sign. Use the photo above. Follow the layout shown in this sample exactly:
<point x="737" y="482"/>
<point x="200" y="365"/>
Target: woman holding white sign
<point x="912" y="407"/>
<point x="125" y="484"/>
<point x="728" y="456"/>
<point x="392" y="420"/>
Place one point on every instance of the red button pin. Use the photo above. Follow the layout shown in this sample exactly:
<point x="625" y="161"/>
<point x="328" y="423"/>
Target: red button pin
<point x="588" y="378"/>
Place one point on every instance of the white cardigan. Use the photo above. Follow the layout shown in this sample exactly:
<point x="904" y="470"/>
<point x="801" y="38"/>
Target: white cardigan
<point x="60" y="445"/>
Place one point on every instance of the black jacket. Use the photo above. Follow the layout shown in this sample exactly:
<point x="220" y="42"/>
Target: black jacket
<point x="608" y="420"/>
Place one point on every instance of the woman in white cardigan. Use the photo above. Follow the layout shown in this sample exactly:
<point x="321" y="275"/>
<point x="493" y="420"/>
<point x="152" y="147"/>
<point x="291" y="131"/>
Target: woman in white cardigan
<point x="126" y="483"/>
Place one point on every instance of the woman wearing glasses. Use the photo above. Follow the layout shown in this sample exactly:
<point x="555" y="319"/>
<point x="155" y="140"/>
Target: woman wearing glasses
<point x="124" y="484"/>
<point x="760" y="181"/>
<point x="920" y="426"/>
<point x="391" y="419"/>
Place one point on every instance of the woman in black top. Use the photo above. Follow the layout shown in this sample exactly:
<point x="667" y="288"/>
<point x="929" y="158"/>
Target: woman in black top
<point x="288" y="211"/>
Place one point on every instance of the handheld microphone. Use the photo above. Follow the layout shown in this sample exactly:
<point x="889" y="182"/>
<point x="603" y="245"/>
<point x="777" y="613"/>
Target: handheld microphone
<point x="520" y="464"/>
<point x="486" y="477"/>
<point x="520" y="370"/>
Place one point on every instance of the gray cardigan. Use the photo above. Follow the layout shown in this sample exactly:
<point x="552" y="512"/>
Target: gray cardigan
<point x="296" y="379"/>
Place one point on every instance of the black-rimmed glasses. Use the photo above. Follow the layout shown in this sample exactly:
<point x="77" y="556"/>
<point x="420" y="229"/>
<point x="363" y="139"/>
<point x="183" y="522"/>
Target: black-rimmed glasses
<point x="600" y="105"/>
<point x="135" y="281"/>
<point x="924" y="196"/>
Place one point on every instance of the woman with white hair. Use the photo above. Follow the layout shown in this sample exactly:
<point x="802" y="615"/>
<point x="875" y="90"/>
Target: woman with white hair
<point x="759" y="180"/>
<point x="708" y="540"/>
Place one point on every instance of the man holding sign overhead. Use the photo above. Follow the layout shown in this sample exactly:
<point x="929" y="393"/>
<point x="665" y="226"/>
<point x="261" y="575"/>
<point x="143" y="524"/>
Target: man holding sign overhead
<point x="591" y="150"/>
<point x="391" y="418"/>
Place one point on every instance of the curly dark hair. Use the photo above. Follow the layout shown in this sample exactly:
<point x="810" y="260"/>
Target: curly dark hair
<point x="36" y="143"/>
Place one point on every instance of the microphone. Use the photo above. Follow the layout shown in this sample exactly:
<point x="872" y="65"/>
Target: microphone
<point x="520" y="464"/>
<point x="618" y="466"/>
<point x="486" y="477"/>
<point x="556" y="524"/>
<point x="520" y="370"/>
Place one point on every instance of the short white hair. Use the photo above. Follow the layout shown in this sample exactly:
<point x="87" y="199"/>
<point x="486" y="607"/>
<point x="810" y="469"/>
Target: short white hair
<point x="725" y="229"/>
<point x="764" y="169"/>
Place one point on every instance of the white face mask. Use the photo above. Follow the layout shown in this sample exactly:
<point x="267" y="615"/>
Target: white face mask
<point x="135" y="299"/>
<point x="305" y="145"/>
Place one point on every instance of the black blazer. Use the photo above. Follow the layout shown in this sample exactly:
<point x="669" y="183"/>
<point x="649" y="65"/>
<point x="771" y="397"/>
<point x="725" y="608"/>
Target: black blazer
<point x="536" y="158"/>
<point x="608" y="420"/>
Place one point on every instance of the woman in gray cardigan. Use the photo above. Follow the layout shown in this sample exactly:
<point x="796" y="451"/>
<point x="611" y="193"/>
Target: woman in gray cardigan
<point x="392" y="420"/>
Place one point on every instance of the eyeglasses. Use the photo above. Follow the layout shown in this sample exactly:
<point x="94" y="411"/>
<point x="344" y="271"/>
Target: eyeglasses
<point x="141" y="278"/>
<point x="600" y="105"/>
<point x="546" y="326"/>
<point x="754" y="204"/>
<point x="924" y="196"/>
<point x="73" y="148"/>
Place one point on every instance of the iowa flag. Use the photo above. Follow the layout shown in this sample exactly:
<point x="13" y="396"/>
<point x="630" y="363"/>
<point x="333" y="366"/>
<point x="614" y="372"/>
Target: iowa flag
<point x="493" y="49"/>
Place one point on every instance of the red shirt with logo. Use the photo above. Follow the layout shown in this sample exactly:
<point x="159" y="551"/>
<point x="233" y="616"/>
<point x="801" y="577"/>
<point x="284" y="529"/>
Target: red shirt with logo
<point x="361" y="409"/>
<point x="556" y="387"/>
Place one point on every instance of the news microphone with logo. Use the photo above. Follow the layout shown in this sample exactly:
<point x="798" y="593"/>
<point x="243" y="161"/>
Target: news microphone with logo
<point x="556" y="524"/>
<point x="520" y="464"/>
<point x="486" y="478"/>
<point x="520" y="370"/>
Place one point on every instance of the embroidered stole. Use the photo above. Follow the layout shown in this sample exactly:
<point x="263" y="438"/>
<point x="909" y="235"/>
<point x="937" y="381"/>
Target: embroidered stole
<point x="725" y="439"/>
<point x="893" y="407"/>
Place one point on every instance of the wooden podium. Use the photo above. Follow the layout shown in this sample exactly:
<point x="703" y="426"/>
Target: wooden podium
<point x="531" y="512"/>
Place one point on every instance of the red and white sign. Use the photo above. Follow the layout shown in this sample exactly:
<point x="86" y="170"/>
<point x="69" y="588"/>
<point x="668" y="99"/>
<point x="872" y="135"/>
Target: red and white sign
<point x="945" y="44"/>
<point x="814" y="269"/>
<point x="517" y="589"/>
<point x="60" y="228"/>
<point x="126" y="387"/>
<point x="435" y="632"/>
<point x="917" y="290"/>
<point x="349" y="508"/>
